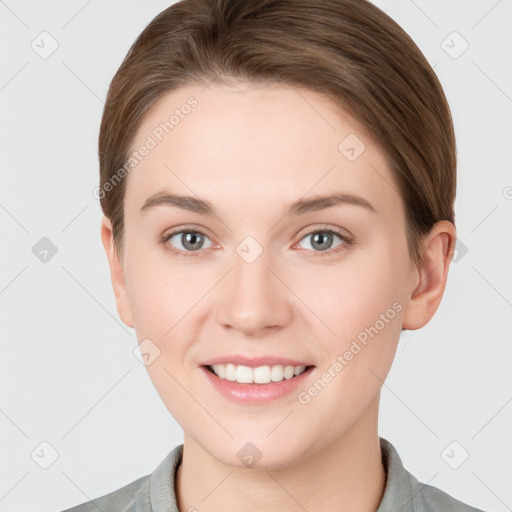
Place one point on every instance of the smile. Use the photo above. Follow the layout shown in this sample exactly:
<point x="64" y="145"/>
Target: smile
<point x="258" y="375"/>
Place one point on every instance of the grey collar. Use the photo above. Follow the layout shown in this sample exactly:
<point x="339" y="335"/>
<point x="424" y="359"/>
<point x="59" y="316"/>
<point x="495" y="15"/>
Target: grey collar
<point x="160" y="493"/>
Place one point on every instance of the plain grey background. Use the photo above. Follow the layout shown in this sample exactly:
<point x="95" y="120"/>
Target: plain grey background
<point x="79" y="416"/>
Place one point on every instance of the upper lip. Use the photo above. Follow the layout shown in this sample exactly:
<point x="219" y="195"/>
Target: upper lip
<point x="255" y="361"/>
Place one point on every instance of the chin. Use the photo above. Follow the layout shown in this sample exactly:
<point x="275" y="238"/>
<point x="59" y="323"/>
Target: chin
<point x="256" y="452"/>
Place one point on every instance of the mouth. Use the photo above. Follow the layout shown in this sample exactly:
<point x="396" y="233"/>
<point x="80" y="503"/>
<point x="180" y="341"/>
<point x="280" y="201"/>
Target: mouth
<point x="259" y="375"/>
<point x="256" y="384"/>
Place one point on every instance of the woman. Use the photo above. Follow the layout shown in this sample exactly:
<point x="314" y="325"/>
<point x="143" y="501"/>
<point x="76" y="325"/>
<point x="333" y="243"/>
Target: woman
<point x="278" y="182"/>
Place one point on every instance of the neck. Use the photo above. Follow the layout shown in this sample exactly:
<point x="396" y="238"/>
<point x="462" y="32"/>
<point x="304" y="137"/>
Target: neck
<point x="346" y="475"/>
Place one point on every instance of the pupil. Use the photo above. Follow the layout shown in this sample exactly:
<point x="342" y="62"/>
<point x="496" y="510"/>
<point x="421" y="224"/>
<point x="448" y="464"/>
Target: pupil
<point x="191" y="239"/>
<point x="320" y="236"/>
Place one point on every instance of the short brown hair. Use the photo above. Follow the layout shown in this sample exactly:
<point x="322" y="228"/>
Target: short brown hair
<point x="347" y="50"/>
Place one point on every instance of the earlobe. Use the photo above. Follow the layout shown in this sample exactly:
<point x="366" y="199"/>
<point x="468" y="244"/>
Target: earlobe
<point x="429" y="279"/>
<point x="117" y="275"/>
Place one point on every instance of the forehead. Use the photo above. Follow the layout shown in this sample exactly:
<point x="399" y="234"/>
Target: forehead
<point x="275" y="143"/>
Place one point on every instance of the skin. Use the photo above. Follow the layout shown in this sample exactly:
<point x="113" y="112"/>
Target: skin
<point x="251" y="151"/>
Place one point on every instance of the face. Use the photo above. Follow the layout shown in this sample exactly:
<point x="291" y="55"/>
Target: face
<point x="315" y="284"/>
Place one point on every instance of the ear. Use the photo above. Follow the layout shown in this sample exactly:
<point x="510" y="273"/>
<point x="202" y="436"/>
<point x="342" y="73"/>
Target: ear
<point x="116" y="273"/>
<point x="428" y="281"/>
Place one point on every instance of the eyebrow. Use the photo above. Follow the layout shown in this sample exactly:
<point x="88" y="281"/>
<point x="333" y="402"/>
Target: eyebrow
<point x="299" y="207"/>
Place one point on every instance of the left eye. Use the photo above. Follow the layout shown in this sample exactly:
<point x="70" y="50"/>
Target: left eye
<point x="321" y="240"/>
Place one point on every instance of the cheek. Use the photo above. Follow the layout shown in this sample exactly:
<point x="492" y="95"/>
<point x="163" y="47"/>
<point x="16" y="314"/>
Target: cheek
<point x="161" y="291"/>
<point x="348" y="298"/>
<point x="363" y="308"/>
<point x="163" y="298"/>
<point x="361" y="303"/>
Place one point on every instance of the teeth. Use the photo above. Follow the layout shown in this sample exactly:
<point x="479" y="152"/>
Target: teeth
<point x="258" y="375"/>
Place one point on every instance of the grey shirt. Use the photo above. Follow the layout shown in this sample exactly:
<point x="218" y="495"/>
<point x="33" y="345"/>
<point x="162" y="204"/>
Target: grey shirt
<point x="156" y="492"/>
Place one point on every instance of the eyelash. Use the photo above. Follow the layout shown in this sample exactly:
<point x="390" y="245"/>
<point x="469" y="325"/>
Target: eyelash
<point x="192" y="254"/>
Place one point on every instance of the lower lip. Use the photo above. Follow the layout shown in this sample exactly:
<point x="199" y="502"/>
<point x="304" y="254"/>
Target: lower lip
<point x="256" y="393"/>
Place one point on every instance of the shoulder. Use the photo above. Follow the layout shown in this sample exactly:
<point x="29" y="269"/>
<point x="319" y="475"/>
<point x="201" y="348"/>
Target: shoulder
<point x="123" y="499"/>
<point x="137" y="496"/>
<point x="428" y="498"/>
<point x="404" y="492"/>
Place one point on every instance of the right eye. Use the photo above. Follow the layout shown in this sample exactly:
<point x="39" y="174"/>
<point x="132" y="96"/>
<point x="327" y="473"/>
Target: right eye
<point x="190" y="240"/>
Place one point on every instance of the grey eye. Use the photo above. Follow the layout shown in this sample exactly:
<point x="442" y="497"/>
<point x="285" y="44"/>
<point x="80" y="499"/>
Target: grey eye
<point x="190" y="240"/>
<point x="322" y="240"/>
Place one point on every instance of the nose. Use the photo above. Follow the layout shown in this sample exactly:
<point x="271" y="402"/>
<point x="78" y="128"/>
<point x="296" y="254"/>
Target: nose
<point x="253" y="299"/>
